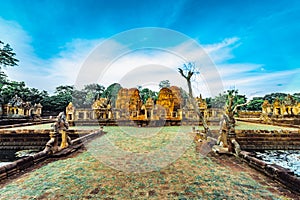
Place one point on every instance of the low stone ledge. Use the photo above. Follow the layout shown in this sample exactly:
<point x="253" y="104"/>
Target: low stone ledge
<point x="257" y="162"/>
<point x="3" y="174"/>
<point x="24" y="163"/>
<point x="11" y="169"/>
<point x="281" y="174"/>
<point x="44" y="121"/>
<point x="290" y="181"/>
<point x="38" y="131"/>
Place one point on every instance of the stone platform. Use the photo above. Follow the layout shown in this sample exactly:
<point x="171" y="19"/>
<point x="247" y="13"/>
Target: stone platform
<point x="12" y="141"/>
<point x="21" y="164"/>
<point x="143" y="123"/>
<point x="268" y="140"/>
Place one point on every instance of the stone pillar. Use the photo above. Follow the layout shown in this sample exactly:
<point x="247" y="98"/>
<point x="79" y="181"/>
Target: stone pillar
<point x="64" y="139"/>
<point x="85" y="115"/>
<point x="180" y="114"/>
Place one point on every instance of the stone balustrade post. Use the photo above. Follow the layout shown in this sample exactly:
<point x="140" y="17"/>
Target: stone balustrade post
<point x="64" y="139"/>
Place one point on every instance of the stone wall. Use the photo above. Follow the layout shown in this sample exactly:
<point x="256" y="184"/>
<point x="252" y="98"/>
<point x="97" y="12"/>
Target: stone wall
<point x="264" y="139"/>
<point x="285" y="122"/>
<point x="285" y="176"/>
<point x="22" y="164"/>
<point x="26" y="139"/>
<point x="249" y="114"/>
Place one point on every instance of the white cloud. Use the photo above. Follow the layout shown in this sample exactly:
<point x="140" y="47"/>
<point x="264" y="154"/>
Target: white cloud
<point x="39" y="73"/>
<point x="64" y="69"/>
<point x="82" y="61"/>
<point x="13" y="34"/>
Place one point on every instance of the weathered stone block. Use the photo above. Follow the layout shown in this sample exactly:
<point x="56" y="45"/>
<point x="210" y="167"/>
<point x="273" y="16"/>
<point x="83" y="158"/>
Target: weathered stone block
<point x="40" y="156"/>
<point x="3" y="174"/>
<point x="24" y="163"/>
<point x="11" y="169"/>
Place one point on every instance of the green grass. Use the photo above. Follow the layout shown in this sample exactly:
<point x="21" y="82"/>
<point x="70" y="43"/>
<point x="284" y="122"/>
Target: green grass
<point x="239" y="126"/>
<point x="254" y="126"/>
<point x="85" y="176"/>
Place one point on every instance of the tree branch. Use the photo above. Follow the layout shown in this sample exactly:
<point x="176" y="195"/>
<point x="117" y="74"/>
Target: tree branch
<point x="240" y="105"/>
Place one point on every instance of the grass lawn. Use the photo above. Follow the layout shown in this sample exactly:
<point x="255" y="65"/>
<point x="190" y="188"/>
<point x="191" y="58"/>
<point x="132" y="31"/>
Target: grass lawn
<point x="239" y="125"/>
<point x="86" y="176"/>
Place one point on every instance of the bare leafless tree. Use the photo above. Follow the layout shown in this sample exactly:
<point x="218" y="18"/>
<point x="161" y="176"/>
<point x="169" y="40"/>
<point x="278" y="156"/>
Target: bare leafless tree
<point x="188" y="71"/>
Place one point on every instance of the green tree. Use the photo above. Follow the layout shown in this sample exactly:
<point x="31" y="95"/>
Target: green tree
<point x="271" y="97"/>
<point x="84" y="98"/>
<point x="64" y="90"/>
<point x="7" y="56"/>
<point x="219" y="101"/>
<point x="234" y="102"/>
<point x="59" y="101"/>
<point x="79" y="98"/>
<point x="296" y="96"/>
<point x="164" y="84"/>
<point x="3" y="79"/>
<point x="94" y="91"/>
<point x="255" y="104"/>
<point x="145" y="93"/>
<point x="111" y="93"/>
<point x="12" y="88"/>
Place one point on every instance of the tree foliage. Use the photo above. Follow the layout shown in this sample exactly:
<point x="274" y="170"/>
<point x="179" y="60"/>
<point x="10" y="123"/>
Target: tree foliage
<point x="12" y="88"/>
<point x="222" y="99"/>
<point x="255" y="104"/>
<point x="84" y="98"/>
<point x="164" y="84"/>
<point x="59" y="101"/>
<point x="271" y="97"/>
<point x="145" y="93"/>
<point x="111" y="93"/>
<point x="7" y="56"/>
<point x="296" y="96"/>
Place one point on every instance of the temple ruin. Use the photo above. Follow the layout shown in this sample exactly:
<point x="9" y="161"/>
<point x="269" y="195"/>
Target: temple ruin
<point x="18" y="108"/>
<point x="285" y="111"/>
<point x="169" y="106"/>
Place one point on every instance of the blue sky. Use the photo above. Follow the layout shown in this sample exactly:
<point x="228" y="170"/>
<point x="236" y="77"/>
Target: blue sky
<point x="254" y="44"/>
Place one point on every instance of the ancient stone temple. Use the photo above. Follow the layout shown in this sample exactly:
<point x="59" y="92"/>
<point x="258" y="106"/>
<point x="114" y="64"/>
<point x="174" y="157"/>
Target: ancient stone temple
<point x="102" y="108"/>
<point x="266" y="107"/>
<point x="278" y="108"/>
<point x="169" y="106"/>
<point x="166" y="103"/>
<point x="128" y="103"/>
<point x="17" y="108"/>
<point x="37" y="108"/>
<point x="286" y="108"/>
<point x="286" y="111"/>
<point x="70" y="112"/>
<point x="148" y="110"/>
<point x="296" y="109"/>
<point x="189" y="110"/>
<point x="178" y="99"/>
<point x="202" y="105"/>
<point x="290" y="106"/>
